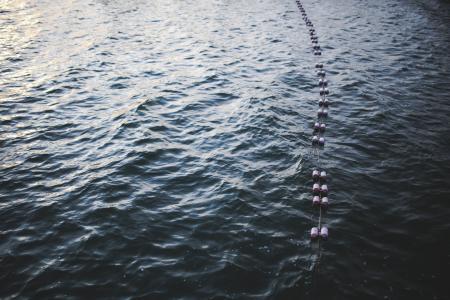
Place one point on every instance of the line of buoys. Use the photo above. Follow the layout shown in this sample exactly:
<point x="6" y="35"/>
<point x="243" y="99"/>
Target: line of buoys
<point x="320" y="188"/>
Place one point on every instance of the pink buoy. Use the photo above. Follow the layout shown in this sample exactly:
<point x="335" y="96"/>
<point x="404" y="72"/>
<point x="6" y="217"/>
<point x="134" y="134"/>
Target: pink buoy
<point x="324" y="202"/>
<point x="315" y="175"/>
<point x="316" y="188"/>
<point x="323" y="176"/>
<point x="322" y="127"/>
<point x="314" y="233"/>
<point x="321" y="141"/>
<point x="316" y="126"/>
<point x="316" y="201"/>
<point x="324" y="189"/>
<point x="315" y="140"/>
<point x="324" y="233"/>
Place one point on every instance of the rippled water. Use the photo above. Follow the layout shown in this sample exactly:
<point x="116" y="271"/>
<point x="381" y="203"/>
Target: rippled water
<point x="160" y="149"/>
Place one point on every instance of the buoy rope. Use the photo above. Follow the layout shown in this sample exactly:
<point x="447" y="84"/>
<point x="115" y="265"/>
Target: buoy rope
<point x="320" y="188"/>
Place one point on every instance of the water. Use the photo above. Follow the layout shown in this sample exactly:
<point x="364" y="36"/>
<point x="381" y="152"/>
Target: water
<point x="160" y="149"/>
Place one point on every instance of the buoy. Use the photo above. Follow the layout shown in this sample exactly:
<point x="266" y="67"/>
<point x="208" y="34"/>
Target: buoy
<point x="317" y="53"/>
<point x="316" y="189"/>
<point x="320" y="102"/>
<point x="322" y="127"/>
<point x="321" y="73"/>
<point x="320" y="112"/>
<point x="316" y="201"/>
<point x="321" y="141"/>
<point x="326" y="103"/>
<point x="323" y="82"/>
<point x="314" y="233"/>
<point x="319" y="66"/>
<point x="323" y="232"/>
<point x="324" y="202"/>
<point x="315" y="140"/>
<point x="315" y="175"/>
<point x="324" y="112"/>
<point x="324" y="189"/>
<point x="316" y="126"/>
<point x="323" y="176"/>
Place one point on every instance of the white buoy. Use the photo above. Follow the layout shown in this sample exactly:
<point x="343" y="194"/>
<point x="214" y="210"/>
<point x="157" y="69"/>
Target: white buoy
<point x="322" y="141"/>
<point x="322" y="127"/>
<point x="315" y="175"/>
<point x="315" y="140"/>
<point x="314" y="233"/>
<point x="323" y="176"/>
<point x="324" y="233"/>
<point x="316" y="201"/>
<point x="324" y="189"/>
<point x="316" y="188"/>
<point x="316" y="126"/>
<point x="324" y="202"/>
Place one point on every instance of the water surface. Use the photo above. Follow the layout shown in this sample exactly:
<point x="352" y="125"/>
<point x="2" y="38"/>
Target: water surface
<point x="161" y="149"/>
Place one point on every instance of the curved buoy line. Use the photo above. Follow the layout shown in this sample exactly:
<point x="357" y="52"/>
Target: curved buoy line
<point x="320" y="199"/>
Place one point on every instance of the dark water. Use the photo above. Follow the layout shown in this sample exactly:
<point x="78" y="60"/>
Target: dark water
<point x="160" y="149"/>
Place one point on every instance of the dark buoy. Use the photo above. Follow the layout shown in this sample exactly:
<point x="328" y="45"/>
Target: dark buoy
<point x="321" y="102"/>
<point x="315" y="140"/>
<point x="319" y="66"/>
<point x="326" y="103"/>
<point x="323" y="82"/>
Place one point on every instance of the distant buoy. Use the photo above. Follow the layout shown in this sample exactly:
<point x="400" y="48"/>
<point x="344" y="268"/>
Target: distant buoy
<point x="315" y="140"/>
<point x="317" y="126"/>
<point x="324" y="202"/>
<point x="322" y="127"/>
<point x="319" y="66"/>
<point x="321" y="141"/>
<point x="323" y="176"/>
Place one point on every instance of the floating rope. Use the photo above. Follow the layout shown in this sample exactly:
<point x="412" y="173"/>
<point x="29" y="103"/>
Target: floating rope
<point x="320" y="188"/>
